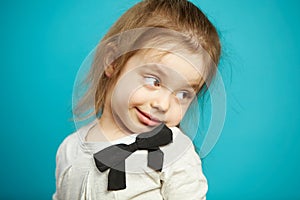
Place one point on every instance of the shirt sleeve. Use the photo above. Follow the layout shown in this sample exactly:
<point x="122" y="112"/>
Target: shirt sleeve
<point x="184" y="179"/>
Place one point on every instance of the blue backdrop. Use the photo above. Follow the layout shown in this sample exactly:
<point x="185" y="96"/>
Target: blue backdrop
<point x="44" y="42"/>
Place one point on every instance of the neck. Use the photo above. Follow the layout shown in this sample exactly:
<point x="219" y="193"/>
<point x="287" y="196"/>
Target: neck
<point x="109" y="128"/>
<point x="106" y="128"/>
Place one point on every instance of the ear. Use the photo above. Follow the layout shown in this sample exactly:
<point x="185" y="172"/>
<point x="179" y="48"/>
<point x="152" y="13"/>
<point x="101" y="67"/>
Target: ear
<point x="109" y="70"/>
<point x="109" y="58"/>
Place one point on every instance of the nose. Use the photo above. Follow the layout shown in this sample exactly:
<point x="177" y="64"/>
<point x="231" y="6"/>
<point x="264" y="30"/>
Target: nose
<point x="161" y="101"/>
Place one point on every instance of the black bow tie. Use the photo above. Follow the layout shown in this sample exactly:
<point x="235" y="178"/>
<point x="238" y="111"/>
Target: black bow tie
<point x="113" y="157"/>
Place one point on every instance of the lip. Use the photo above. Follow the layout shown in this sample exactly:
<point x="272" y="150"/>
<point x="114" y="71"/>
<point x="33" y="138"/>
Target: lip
<point x="146" y="118"/>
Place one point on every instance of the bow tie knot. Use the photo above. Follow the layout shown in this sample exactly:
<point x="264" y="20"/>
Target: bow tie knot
<point x="113" y="157"/>
<point x="133" y="147"/>
<point x="139" y="144"/>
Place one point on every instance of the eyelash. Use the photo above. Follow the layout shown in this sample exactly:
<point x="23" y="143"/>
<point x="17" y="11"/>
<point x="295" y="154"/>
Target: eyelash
<point x="152" y="81"/>
<point x="186" y="95"/>
<point x="155" y="82"/>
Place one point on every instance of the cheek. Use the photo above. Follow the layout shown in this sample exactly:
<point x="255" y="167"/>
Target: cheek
<point x="139" y="96"/>
<point x="125" y="89"/>
<point x="174" y="115"/>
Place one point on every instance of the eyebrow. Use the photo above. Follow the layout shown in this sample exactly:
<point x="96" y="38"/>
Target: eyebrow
<point x="196" y="86"/>
<point x="158" y="69"/>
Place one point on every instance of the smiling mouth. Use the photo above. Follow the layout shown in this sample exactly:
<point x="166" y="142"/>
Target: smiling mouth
<point x="146" y="118"/>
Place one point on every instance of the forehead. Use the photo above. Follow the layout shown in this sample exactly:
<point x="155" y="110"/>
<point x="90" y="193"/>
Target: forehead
<point x="182" y="67"/>
<point x="188" y="66"/>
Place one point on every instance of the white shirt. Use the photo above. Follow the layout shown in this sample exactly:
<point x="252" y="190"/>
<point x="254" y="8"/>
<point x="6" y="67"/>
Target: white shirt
<point x="77" y="177"/>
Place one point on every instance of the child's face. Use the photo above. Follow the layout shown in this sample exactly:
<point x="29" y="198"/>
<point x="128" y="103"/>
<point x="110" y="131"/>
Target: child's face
<point x="153" y="90"/>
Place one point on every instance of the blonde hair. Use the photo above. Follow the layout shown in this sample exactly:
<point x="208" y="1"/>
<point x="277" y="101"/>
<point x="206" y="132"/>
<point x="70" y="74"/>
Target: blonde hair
<point x="177" y="15"/>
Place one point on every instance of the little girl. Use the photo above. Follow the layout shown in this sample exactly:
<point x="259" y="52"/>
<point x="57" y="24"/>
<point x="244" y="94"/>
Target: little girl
<point x="146" y="72"/>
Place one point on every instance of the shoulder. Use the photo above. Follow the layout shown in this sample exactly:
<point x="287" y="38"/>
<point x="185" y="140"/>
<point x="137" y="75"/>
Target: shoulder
<point x="179" y="136"/>
<point x="72" y="143"/>
<point x="65" y="153"/>
<point x="68" y="145"/>
<point x="180" y="151"/>
<point x="182" y="174"/>
<point x="68" y="151"/>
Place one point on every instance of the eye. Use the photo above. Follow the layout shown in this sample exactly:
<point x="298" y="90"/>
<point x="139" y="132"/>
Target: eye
<point x="183" y="95"/>
<point x="152" y="81"/>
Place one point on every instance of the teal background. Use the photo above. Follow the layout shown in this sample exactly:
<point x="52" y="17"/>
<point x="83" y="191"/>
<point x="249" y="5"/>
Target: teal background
<point x="44" y="42"/>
